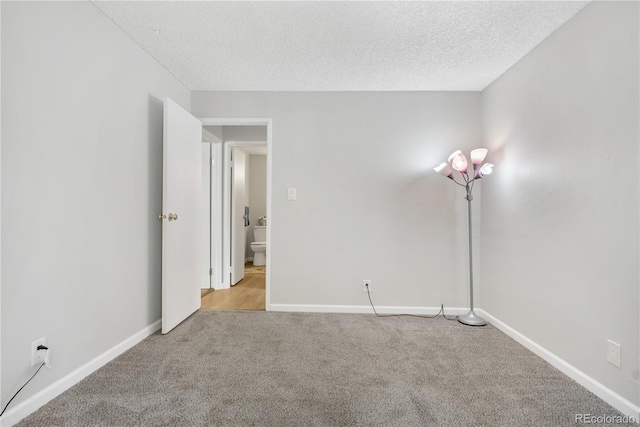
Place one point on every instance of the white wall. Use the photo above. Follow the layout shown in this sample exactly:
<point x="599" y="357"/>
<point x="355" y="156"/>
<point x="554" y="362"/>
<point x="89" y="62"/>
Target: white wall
<point x="216" y="131"/>
<point x="81" y="187"/>
<point x="369" y="204"/>
<point x="560" y="215"/>
<point x="257" y="194"/>
<point x="244" y="133"/>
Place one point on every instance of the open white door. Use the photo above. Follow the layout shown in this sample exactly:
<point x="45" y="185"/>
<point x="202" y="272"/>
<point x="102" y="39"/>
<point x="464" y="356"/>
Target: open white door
<point x="238" y="203"/>
<point x="181" y="215"/>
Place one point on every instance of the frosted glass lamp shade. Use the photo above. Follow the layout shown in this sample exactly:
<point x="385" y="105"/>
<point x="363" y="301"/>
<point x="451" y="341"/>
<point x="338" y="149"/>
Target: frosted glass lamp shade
<point x="485" y="169"/>
<point x="444" y="169"/>
<point x="458" y="161"/>
<point x="477" y="156"/>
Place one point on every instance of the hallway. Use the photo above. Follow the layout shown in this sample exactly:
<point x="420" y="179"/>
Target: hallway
<point x="248" y="294"/>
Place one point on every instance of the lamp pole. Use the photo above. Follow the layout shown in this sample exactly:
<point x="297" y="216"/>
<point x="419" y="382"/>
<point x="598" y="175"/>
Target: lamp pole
<point x="471" y="318"/>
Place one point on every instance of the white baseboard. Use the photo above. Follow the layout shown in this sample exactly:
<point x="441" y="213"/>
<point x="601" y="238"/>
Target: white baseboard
<point x="313" y="308"/>
<point x="595" y="387"/>
<point x="33" y="403"/>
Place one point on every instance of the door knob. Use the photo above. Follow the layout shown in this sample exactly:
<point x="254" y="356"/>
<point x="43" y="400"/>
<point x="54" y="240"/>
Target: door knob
<point x="173" y="217"/>
<point x="161" y="217"/>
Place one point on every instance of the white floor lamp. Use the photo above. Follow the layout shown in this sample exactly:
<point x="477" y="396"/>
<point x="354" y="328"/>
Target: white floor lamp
<point x="458" y="162"/>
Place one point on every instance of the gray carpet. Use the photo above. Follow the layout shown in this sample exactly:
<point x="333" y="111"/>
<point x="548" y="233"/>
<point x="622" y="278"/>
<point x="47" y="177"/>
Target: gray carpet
<point x="296" y="369"/>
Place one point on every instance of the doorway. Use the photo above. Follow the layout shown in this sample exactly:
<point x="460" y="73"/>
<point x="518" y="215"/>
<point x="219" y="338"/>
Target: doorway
<point x="246" y="203"/>
<point x="248" y="294"/>
<point x="248" y="289"/>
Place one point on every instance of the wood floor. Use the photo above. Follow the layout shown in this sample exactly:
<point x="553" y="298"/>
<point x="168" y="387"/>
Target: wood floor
<point x="248" y="294"/>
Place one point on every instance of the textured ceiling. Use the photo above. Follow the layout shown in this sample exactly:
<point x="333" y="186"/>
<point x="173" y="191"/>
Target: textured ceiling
<point x="339" y="46"/>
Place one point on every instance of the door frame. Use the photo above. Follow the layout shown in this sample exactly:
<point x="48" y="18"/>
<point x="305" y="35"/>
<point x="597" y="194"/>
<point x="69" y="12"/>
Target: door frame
<point x="215" y="208"/>
<point x="226" y="218"/>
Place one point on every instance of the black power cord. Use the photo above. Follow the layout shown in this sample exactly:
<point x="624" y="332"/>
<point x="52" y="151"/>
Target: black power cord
<point x="40" y="347"/>
<point x="424" y="316"/>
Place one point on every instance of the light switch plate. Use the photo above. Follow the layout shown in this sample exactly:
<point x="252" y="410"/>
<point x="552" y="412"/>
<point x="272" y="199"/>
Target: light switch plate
<point x="291" y="194"/>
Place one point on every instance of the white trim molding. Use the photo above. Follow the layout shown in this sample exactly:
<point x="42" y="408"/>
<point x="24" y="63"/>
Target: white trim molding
<point x="33" y="403"/>
<point x="360" y="309"/>
<point x="595" y="387"/>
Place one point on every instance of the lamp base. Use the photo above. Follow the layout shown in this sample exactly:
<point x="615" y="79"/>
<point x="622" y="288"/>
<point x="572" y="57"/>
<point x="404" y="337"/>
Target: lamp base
<point x="472" y="319"/>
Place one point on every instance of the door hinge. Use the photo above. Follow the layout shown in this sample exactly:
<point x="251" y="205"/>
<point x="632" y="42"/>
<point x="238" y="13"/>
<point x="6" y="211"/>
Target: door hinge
<point x="211" y="272"/>
<point x="213" y="161"/>
<point x="231" y="164"/>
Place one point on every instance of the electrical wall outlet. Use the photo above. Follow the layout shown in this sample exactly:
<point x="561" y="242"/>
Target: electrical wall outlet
<point x="366" y="284"/>
<point x="37" y="357"/>
<point x="613" y="353"/>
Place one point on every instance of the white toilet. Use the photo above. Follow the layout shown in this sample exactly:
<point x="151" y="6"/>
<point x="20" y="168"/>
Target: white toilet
<point x="259" y="245"/>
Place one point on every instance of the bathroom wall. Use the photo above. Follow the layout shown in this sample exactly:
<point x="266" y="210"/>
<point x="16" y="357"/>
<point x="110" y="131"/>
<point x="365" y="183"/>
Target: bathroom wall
<point x="560" y="215"/>
<point x="257" y="194"/>
<point x="369" y="204"/>
<point x="81" y="188"/>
